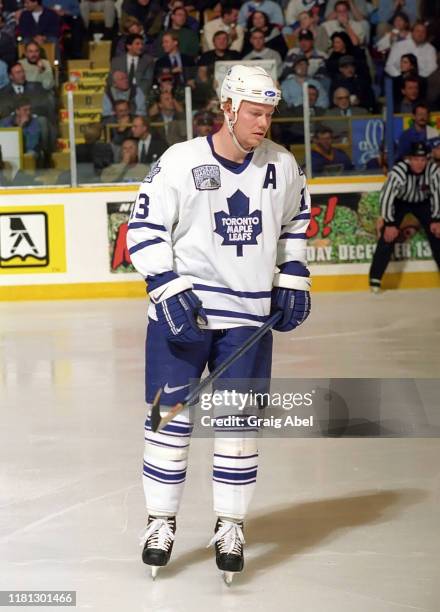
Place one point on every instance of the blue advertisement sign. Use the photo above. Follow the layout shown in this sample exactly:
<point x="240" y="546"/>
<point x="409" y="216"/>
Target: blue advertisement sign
<point x="367" y="136"/>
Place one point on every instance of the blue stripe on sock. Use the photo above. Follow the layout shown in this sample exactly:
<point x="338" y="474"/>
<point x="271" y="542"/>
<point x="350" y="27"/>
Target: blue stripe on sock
<point x="234" y="477"/>
<point x="168" y="477"/>
<point x="234" y="483"/>
<point x="158" y="443"/>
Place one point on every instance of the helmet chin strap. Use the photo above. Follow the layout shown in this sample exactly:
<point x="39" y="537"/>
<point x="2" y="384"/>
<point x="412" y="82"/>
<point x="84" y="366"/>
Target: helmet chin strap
<point x="230" y="123"/>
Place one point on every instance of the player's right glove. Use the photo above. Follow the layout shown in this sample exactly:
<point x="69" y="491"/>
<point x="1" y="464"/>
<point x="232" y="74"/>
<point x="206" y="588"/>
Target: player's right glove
<point x="179" y="311"/>
<point x="292" y="296"/>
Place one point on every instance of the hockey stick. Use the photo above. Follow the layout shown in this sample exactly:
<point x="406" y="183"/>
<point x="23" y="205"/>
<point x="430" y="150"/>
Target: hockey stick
<point x="158" y="422"/>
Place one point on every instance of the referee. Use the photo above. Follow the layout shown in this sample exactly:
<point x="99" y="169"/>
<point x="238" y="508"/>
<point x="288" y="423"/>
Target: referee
<point x="412" y="186"/>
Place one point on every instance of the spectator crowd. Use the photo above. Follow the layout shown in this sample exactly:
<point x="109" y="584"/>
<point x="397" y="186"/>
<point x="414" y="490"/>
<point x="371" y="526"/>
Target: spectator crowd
<point x="343" y="49"/>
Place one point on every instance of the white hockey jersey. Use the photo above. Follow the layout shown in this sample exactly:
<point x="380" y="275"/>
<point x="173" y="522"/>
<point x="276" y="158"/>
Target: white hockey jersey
<point x="223" y="226"/>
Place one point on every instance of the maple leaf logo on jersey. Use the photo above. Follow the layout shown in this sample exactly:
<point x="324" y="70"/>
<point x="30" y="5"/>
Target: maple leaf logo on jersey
<point x="239" y="227"/>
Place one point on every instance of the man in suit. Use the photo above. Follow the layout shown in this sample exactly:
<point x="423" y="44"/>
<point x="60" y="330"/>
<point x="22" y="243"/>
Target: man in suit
<point x="179" y="65"/>
<point x="169" y="111"/>
<point x="137" y="65"/>
<point x="43" y="102"/>
<point x="341" y="111"/>
<point x="150" y="145"/>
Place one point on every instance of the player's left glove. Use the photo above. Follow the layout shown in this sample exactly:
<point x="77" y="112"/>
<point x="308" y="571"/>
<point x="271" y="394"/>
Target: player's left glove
<point x="292" y="296"/>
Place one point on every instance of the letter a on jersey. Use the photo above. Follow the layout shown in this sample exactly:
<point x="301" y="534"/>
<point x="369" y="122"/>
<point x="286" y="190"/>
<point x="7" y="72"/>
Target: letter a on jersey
<point x="239" y="227"/>
<point x="271" y="177"/>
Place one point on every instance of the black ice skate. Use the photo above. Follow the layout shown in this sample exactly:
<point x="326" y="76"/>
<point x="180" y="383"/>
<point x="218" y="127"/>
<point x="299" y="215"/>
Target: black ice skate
<point x="228" y="540"/>
<point x="158" y="542"/>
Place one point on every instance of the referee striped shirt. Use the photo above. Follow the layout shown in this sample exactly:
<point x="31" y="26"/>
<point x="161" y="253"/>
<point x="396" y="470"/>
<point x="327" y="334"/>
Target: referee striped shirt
<point x="403" y="184"/>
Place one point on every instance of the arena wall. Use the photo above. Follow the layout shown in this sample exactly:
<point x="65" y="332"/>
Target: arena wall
<point x="70" y="243"/>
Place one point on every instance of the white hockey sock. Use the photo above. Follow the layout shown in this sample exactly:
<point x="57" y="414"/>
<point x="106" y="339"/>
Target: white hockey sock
<point x="234" y="476"/>
<point x="165" y="463"/>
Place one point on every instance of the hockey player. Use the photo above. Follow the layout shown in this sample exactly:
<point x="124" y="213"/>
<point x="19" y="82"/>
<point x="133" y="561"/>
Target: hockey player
<point x="218" y="231"/>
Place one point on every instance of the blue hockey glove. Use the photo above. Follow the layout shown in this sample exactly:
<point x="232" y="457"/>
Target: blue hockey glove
<point x="295" y="303"/>
<point x="179" y="316"/>
<point x="179" y="311"/>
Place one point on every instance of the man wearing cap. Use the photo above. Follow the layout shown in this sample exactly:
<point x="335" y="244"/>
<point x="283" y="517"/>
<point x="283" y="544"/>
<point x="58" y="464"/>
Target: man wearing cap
<point x="361" y="91"/>
<point x="316" y="59"/>
<point x="412" y="186"/>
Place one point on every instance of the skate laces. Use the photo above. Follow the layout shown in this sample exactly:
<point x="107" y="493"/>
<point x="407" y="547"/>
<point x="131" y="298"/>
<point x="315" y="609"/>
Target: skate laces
<point x="229" y="538"/>
<point x="159" y="532"/>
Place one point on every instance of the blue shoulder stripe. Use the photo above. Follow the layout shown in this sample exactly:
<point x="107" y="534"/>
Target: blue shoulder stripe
<point x="144" y="244"/>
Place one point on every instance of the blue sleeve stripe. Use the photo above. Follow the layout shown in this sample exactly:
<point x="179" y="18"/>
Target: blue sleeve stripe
<point x="144" y="244"/>
<point x="140" y="224"/>
<point x="301" y="216"/>
<point x="236" y="315"/>
<point x="293" y="236"/>
<point x="242" y="294"/>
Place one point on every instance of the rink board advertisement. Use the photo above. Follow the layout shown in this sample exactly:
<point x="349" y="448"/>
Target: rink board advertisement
<point x="117" y="215"/>
<point x="32" y="241"/>
<point x="343" y="229"/>
<point x="60" y="243"/>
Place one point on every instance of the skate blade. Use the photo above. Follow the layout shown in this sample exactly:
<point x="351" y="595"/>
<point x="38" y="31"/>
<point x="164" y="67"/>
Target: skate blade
<point x="154" y="571"/>
<point x="228" y="577"/>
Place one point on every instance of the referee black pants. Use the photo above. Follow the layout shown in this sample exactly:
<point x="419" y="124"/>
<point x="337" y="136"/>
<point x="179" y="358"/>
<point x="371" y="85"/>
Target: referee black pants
<point x="384" y="250"/>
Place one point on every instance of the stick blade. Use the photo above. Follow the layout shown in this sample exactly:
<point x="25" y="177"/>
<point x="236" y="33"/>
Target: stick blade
<point x="169" y="416"/>
<point x="155" y="417"/>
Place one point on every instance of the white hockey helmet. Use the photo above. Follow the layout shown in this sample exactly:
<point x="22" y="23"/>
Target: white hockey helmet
<point x="249" y="83"/>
